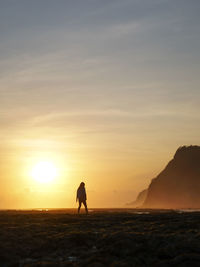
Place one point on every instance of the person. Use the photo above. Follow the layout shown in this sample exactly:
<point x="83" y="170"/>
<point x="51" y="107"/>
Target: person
<point x="82" y="197"/>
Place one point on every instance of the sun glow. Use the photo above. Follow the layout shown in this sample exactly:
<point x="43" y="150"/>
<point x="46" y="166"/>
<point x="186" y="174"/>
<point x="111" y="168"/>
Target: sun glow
<point x="44" y="172"/>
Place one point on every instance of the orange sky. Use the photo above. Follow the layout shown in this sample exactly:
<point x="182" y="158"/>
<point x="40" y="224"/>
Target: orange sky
<point x="106" y="90"/>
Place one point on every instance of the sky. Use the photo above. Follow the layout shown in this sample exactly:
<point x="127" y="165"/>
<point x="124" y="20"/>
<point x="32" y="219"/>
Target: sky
<point x="105" y="90"/>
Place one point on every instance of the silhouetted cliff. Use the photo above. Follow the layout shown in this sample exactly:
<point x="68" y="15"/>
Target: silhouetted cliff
<point x="178" y="185"/>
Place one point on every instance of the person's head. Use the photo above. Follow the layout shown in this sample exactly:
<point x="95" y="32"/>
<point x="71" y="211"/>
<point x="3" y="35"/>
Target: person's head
<point x="82" y="184"/>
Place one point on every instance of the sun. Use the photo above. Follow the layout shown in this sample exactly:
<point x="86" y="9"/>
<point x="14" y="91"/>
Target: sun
<point x="44" y="172"/>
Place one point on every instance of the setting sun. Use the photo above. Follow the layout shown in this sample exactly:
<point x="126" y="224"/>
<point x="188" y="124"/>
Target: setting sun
<point x="44" y="172"/>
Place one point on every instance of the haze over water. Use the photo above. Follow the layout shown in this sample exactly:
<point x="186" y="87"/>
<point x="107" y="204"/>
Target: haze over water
<point x="99" y="91"/>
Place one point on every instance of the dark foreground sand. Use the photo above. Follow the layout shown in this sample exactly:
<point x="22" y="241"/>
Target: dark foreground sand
<point x="103" y="238"/>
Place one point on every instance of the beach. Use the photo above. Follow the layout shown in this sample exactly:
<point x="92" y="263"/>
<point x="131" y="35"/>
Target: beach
<point x="105" y="237"/>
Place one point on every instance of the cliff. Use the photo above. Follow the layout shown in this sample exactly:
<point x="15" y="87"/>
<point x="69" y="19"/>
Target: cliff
<point x="178" y="185"/>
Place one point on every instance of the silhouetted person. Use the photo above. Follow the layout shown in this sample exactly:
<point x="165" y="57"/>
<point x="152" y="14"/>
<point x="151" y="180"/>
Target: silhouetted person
<point x="81" y="197"/>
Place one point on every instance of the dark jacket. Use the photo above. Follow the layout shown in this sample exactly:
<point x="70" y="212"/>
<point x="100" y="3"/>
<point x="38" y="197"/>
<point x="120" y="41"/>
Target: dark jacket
<point x="81" y="194"/>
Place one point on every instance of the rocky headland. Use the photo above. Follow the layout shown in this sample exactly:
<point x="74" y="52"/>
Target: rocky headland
<point x="177" y="186"/>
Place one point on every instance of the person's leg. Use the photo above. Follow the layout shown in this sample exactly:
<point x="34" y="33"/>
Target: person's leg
<point x="79" y="206"/>
<point x="85" y="204"/>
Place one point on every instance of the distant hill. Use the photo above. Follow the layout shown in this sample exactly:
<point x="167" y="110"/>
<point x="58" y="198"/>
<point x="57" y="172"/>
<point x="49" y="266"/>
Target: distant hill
<point x="139" y="200"/>
<point x="178" y="185"/>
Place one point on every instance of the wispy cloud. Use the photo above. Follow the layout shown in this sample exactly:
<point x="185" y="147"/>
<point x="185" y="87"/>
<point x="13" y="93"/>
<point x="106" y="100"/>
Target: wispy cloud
<point x="111" y="82"/>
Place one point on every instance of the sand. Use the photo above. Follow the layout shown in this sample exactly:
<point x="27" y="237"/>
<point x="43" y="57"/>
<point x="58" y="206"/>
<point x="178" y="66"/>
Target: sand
<point x="102" y="238"/>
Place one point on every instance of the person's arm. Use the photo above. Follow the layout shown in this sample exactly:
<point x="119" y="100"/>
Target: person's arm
<point x="77" y="196"/>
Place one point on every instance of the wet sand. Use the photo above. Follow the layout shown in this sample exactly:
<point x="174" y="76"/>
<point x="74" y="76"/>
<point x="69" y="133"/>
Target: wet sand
<point x="102" y="238"/>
